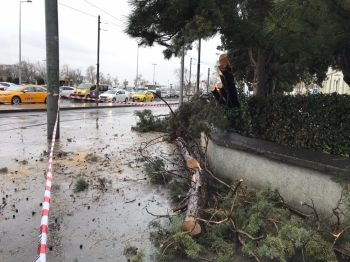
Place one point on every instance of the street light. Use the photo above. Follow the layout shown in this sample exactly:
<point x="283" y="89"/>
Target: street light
<point x="154" y="69"/>
<point x="20" y="62"/>
<point x="137" y="68"/>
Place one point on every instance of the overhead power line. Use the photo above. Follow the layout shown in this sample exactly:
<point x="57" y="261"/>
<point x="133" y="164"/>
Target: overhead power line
<point x="103" y="11"/>
<point x="89" y="14"/>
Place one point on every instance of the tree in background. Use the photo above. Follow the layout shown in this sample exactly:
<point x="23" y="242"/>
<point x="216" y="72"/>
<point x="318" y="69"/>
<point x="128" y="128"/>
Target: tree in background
<point x="318" y="29"/>
<point x="90" y="74"/>
<point x="2" y="79"/>
<point x="41" y="70"/>
<point x="9" y="79"/>
<point x="116" y="82"/>
<point x="137" y="80"/>
<point x="257" y="56"/>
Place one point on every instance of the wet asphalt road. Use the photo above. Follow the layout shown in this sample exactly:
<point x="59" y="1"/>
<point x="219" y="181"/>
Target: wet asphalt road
<point x="94" y="225"/>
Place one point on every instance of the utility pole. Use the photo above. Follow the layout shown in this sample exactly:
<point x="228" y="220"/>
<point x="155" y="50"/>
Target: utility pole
<point x="208" y="80"/>
<point x="189" y="81"/>
<point x="137" y="67"/>
<point x="198" y="65"/>
<point x="182" y="76"/>
<point x="52" y="62"/>
<point x="98" y="61"/>
<point x="154" y="69"/>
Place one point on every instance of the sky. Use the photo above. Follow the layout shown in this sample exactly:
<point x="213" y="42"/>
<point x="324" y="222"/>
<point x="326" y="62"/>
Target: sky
<point x="78" y="40"/>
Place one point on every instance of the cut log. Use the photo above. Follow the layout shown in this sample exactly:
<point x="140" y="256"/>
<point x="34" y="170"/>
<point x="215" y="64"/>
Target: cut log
<point x="190" y="223"/>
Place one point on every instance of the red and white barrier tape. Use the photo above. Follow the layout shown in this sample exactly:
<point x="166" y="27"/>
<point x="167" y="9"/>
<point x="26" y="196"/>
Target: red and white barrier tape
<point x="113" y="102"/>
<point x="44" y="227"/>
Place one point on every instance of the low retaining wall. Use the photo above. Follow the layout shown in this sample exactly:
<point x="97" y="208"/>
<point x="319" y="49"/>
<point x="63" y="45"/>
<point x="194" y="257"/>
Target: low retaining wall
<point x="298" y="174"/>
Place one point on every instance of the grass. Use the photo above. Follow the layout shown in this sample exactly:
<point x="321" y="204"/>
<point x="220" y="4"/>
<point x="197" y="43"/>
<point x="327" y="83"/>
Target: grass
<point x="24" y="162"/>
<point x="80" y="185"/>
<point x="4" y="170"/>
<point x="103" y="181"/>
<point x="130" y="250"/>
<point x="91" y="158"/>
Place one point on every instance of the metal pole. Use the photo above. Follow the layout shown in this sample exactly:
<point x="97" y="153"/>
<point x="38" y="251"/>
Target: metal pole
<point x="20" y="43"/>
<point x="52" y="61"/>
<point x="154" y="69"/>
<point x="98" y="61"/>
<point x="182" y="76"/>
<point x="19" y="64"/>
<point x="189" y="81"/>
<point x="198" y="65"/>
<point x="137" y="68"/>
<point x="208" y="80"/>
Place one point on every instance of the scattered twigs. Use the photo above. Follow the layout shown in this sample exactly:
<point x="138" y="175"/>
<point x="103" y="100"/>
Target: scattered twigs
<point x="181" y="208"/>
<point x="312" y="207"/>
<point x="130" y="201"/>
<point x="158" y="216"/>
<point x="96" y="242"/>
<point x="291" y="209"/>
<point x="339" y="234"/>
<point x="250" y="236"/>
<point x="244" y="244"/>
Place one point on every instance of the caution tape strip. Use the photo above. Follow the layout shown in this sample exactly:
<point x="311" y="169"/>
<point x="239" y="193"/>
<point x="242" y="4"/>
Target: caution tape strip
<point x="113" y="102"/>
<point x="44" y="227"/>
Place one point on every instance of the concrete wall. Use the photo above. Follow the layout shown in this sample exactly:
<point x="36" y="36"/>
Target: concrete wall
<point x="264" y="164"/>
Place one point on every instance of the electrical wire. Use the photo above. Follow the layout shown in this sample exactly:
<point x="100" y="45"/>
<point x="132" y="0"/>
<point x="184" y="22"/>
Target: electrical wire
<point x="103" y="11"/>
<point x="89" y="15"/>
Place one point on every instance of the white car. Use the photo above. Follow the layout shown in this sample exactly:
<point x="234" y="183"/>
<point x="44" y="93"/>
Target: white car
<point x="66" y="90"/>
<point x="115" y="95"/>
<point x="6" y="85"/>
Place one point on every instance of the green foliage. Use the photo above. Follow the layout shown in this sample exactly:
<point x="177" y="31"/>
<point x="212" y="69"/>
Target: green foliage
<point x="139" y="257"/>
<point x="175" y="189"/>
<point x="319" y="122"/>
<point x="259" y="213"/>
<point x="91" y="158"/>
<point x="155" y="169"/>
<point x="80" y="185"/>
<point x="320" y="250"/>
<point x="147" y="122"/>
<point x="3" y="170"/>
<point x="24" y="162"/>
<point x="130" y="250"/>
<point x="103" y="181"/>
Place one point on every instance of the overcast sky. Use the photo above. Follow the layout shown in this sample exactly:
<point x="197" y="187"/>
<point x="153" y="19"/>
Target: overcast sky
<point x="78" y="40"/>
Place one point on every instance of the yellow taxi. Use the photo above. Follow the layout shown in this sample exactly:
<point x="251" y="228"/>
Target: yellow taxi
<point x="24" y="94"/>
<point x="142" y="96"/>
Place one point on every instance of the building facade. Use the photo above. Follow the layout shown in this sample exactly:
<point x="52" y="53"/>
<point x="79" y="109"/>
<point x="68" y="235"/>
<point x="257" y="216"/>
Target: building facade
<point x="334" y="83"/>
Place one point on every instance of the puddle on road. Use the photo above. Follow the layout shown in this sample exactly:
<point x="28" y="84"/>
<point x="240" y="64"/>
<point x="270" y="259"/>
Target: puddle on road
<point x="93" y="225"/>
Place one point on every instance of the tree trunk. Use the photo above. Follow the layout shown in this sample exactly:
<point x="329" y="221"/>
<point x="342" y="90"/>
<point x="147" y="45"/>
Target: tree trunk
<point x="190" y="224"/>
<point x="260" y="72"/>
<point x="344" y="61"/>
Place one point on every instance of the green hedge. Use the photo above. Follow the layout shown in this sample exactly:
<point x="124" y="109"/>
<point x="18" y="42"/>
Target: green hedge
<point x="317" y="122"/>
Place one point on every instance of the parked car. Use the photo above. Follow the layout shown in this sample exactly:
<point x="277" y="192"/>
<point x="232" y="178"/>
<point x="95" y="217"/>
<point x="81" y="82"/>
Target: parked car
<point x="7" y="85"/>
<point x="142" y="96"/>
<point x="115" y="95"/>
<point x="2" y="88"/>
<point x="24" y="94"/>
<point x="66" y="90"/>
<point x="170" y="94"/>
<point x="88" y="90"/>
